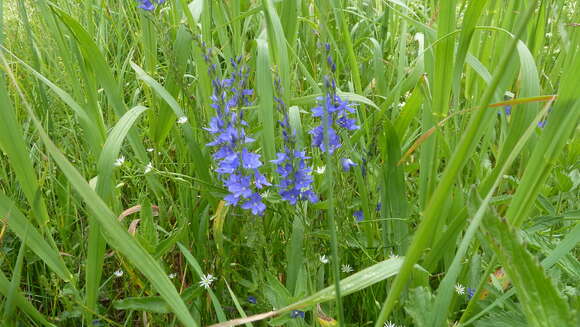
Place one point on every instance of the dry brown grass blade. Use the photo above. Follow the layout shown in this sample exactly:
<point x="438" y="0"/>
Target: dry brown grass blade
<point x="240" y="321"/>
<point x="137" y="208"/>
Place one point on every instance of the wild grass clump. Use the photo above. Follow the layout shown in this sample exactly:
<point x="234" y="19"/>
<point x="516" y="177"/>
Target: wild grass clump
<point x="333" y="163"/>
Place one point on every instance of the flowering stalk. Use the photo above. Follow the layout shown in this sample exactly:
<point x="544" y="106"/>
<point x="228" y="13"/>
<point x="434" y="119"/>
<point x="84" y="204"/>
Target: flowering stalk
<point x="296" y="182"/>
<point x="334" y="113"/>
<point x="237" y="166"/>
<point x="331" y="108"/>
<point x="148" y="5"/>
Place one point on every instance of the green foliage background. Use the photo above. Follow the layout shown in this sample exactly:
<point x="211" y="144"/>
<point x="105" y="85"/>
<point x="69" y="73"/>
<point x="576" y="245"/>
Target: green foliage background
<point x="478" y="192"/>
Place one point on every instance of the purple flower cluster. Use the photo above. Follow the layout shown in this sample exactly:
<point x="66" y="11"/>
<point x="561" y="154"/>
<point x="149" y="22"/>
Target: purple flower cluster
<point x="148" y="5"/>
<point x="334" y="113"/>
<point x="296" y="181"/>
<point x="237" y="166"/>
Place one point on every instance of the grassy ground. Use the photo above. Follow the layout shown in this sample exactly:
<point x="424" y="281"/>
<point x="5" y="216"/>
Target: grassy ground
<point x="462" y="207"/>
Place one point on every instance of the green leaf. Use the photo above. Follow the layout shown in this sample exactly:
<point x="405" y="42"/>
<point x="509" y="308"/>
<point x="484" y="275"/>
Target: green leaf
<point x="541" y="302"/>
<point x="266" y="104"/>
<point x="354" y="283"/>
<point x="117" y="236"/>
<point x="200" y="160"/>
<point x="33" y="239"/>
<point x="22" y="303"/>
<point x="420" y="306"/>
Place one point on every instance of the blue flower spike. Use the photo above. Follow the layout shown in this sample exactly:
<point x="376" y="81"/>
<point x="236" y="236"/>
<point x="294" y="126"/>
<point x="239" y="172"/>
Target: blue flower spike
<point x="296" y="177"/>
<point x="237" y="166"/>
<point x="334" y="113"/>
<point x="252" y="299"/>
<point x="347" y="164"/>
<point x="148" y="5"/>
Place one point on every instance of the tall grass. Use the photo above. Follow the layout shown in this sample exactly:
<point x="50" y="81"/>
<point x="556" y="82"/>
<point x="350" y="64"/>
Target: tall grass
<point x="462" y="208"/>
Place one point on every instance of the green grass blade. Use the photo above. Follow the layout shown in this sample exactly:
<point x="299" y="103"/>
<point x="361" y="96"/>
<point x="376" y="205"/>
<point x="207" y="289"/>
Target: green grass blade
<point x="446" y="288"/>
<point x="466" y="146"/>
<point x="22" y="303"/>
<point x="200" y="160"/>
<point x="354" y="283"/>
<point x="541" y="302"/>
<point x="560" y="126"/>
<point x="95" y="136"/>
<point x="116" y="235"/>
<point x="197" y="268"/>
<point x="279" y="48"/>
<point x="266" y="104"/>
<point x="104" y="188"/>
<point x="12" y="143"/>
<point x="22" y="227"/>
<point x="9" y="304"/>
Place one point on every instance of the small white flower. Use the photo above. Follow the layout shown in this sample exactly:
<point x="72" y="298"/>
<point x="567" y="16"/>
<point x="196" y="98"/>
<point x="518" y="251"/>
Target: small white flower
<point x="320" y="170"/>
<point x="206" y="281"/>
<point x="148" y="168"/>
<point x="346" y="268"/>
<point x="402" y="104"/>
<point x="390" y="324"/>
<point x="548" y="35"/>
<point x="118" y="273"/>
<point x="172" y="275"/>
<point x="486" y="163"/>
<point x="459" y="289"/>
<point x="119" y="162"/>
<point x="182" y="120"/>
<point x="150" y="149"/>
<point x="393" y="256"/>
<point x="324" y="259"/>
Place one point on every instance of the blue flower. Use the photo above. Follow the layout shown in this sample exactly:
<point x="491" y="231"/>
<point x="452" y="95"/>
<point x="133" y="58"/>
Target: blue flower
<point x="470" y="293"/>
<point x="359" y="216"/>
<point x="297" y="314"/>
<point x="148" y="5"/>
<point x="250" y="160"/>
<point x="237" y="166"/>
<point x="334" y="113"/>
<point x="296" y="176"/>
<point x="318" y="139"/>
<point x="252" y="299"/>
<point x="508" y="110"/>
<point x="541" y="124"/>
<point x="347" y="164"/>
<point x="254" y="204"/>
<point x="379" y="206"/>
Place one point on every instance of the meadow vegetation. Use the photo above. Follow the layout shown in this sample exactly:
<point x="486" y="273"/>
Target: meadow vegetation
<point x="297" y="162"/>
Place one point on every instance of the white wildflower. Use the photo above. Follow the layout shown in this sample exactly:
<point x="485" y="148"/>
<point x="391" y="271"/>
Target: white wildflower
<point x="390" y="324"/>
<point x="182" y="120"/>
<point x="324" y="259"/>
<point x="346" y="268"/>
<point x="118" y="273"/>
<point x="206" y="281"/>
<point x="150" y="149"/>
<point x="119" y="162"/>
<point x="172" y="275"/>
<point x="148" y="168"/>
<point x="320" y="170"/>
<point x="459" y="289"/>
